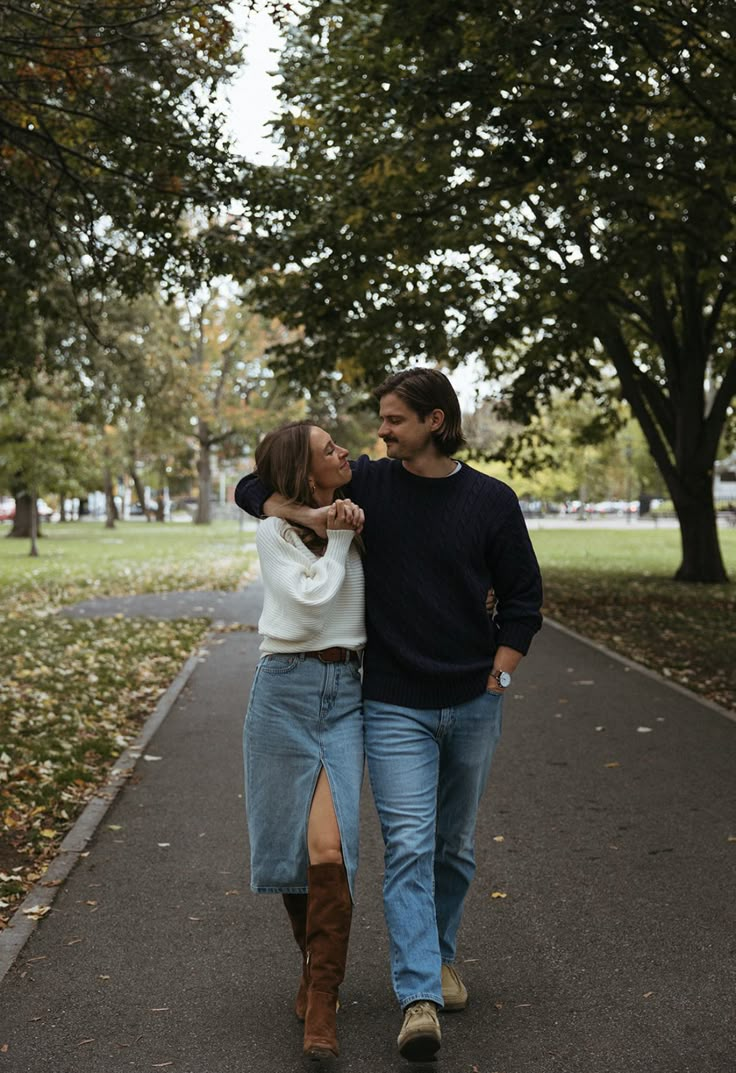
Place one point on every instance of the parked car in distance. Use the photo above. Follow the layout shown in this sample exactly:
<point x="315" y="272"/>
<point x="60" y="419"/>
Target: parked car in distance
<point x="7" y="509"/>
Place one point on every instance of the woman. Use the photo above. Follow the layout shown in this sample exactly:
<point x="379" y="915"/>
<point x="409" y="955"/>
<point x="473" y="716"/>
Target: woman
<point x="303" y="729"/>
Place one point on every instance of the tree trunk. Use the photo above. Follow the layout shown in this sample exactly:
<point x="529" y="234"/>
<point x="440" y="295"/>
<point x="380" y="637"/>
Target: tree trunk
<point x="140" y="492"/>
<point x="204" y="474"/>
<point x="25" y="509"/>
<point x="110" y="511"/>
<point x="62" y="507"/>
<point x="701" y="551"/>
<point x="34" y="528"/>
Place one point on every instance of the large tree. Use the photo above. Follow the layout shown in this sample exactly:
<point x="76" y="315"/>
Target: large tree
<point x="548" y="186"/>
<point x="112" y="143"/>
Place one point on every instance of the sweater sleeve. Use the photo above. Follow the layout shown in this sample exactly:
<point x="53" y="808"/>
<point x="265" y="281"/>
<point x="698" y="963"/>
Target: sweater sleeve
<point x="517" y="582"/>
<point x="251" y="493"/>
<point x="295" y="577"/>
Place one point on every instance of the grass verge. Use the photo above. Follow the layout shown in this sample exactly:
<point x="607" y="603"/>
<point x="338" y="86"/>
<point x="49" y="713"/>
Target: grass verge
<point x="74" y="694"/>
<point x="616" y="587"/>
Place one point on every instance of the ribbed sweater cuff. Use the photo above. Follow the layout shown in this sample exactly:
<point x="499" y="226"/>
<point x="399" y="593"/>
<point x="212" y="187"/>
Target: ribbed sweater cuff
<point x="516" y="635"/>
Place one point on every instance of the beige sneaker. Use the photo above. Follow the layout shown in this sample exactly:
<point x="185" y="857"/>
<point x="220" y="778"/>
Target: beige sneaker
<point x="454" y="991"/>
<point x="420" y="1036"/>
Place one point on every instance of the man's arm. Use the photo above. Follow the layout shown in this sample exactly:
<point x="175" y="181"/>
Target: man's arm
<point x="257" y="499"/>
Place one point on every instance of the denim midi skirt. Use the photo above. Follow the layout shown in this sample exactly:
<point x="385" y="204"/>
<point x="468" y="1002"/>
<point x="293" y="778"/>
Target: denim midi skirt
<point x="303" y="715"/>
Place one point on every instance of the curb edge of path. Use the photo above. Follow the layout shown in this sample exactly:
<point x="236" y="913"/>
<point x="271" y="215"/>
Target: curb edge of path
<point x="43" y="892"/>
<point x="634" y="666"/>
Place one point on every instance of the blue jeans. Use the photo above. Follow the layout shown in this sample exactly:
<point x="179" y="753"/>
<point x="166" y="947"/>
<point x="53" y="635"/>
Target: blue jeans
<point x="428" y="770"/>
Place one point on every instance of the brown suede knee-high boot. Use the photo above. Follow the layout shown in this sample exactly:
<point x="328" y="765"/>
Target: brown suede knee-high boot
<point x="329" y="913"/>
<point x="296" y="907"/>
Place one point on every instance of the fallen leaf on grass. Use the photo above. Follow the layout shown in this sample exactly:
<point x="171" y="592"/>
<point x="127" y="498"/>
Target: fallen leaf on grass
<point x="83" y="1041"/>
<point x="497" y="894"/>
<point x="229" y="892"/>
<point x="114" y="827"/>
<point x="612" y="763"/>
<point x="648" y="994"/>
<point x="72" y="942"/>
<point x="4" y="1049"/>
<point x="498" y="838"/>
<point x="644" y="730"/>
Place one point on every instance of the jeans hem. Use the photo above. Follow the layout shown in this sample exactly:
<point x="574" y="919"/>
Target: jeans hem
<point x="423" y="996"/>
<point x="279" y="890"/>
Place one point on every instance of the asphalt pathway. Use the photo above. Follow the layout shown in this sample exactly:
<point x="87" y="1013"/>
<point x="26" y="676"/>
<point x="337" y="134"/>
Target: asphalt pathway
<point x="606" y="830"/>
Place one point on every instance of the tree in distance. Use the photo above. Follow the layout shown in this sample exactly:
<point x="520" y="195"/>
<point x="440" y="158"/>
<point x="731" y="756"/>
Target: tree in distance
<point x="114" y="151"/>
<point x="549" y="189"/>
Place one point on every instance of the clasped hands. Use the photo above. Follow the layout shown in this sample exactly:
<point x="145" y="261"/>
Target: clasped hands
<point x="342" y="514"/>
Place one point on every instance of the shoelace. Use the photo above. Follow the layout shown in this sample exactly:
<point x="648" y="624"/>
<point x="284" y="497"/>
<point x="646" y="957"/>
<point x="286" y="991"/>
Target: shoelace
<point x="420" y="1008"/>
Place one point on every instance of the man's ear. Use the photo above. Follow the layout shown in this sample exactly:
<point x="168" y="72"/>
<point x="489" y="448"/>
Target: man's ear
<point x="436" y="419"/>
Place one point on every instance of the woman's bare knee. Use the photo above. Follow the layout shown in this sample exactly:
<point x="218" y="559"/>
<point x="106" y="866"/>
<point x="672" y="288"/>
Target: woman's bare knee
<point x="323" y="834"/>
<point x="325" y="855"/>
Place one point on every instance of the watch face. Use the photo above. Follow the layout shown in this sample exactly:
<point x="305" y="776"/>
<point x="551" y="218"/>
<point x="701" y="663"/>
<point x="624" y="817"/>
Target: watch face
<point x="504" y="679"/>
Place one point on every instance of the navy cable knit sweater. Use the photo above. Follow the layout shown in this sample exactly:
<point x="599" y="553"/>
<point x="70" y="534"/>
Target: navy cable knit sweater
<point x="434" y="546"/>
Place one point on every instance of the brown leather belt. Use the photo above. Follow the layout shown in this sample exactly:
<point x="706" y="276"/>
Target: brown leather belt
<point x="334" y="655"/>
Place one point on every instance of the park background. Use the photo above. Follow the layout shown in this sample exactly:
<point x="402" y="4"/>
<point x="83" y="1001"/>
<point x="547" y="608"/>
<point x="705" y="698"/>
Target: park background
<point x="541" y="204"/>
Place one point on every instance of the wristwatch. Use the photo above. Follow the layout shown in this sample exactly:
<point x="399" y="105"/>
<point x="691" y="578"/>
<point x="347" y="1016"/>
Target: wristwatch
<point x="502" y="677"/>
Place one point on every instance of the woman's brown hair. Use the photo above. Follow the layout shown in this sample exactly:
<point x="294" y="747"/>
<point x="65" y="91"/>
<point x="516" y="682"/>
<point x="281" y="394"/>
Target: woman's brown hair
<point x="283" y="459"/>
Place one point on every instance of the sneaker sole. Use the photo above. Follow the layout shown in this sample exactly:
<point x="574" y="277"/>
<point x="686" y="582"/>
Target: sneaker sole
<point x="420" y="1049"/>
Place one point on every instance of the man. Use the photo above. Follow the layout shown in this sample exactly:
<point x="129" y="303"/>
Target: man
<point x="438" y="536"/>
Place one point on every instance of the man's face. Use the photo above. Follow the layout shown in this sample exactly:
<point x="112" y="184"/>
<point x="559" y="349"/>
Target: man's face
<point x="402" y="430"/>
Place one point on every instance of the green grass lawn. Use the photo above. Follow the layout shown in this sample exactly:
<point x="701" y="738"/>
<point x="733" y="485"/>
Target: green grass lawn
<point x="82" y="559"/>
<point x="74" y="694"/>
<point x="616" y="587"/>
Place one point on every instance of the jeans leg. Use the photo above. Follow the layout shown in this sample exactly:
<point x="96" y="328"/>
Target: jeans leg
<point x="466" y="751"/>
<point x="402" y="751"/>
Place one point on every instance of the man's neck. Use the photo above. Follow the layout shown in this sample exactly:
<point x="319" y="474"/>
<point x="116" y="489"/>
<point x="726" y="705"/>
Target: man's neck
<point x="430" y="464"/>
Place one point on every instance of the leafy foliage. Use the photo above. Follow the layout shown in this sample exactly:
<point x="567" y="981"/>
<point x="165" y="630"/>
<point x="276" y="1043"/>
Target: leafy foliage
<point x="550" y="190"/>
<point x="111" y="139"/>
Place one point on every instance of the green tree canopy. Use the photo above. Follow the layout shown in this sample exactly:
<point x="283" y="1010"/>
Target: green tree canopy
<point x="549" y="187"/>
<point x="111" y="144"/>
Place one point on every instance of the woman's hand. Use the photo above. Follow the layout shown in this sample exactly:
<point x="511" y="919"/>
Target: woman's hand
<point x="344" y="514"/>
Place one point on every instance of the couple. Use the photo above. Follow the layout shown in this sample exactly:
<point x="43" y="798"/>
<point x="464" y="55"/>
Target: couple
<point x="436" y="535"/>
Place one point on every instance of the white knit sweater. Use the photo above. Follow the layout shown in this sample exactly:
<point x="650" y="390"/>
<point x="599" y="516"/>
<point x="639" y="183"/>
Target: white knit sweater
<point x="311" y="602"/>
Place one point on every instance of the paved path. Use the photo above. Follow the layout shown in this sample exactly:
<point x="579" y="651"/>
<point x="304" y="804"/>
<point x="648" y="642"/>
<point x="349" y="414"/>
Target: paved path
<point x="612" y="951"/>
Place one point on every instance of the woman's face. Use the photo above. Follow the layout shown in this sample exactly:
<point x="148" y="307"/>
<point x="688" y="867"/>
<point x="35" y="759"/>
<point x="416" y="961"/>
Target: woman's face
<point x="329" y="467"/>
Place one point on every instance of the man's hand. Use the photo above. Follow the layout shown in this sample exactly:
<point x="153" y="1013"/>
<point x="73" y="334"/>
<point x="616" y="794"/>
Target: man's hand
<point x="507" y="659"/>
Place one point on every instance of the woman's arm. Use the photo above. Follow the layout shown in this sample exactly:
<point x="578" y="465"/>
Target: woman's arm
<point x="257" y="499"/>
<point x="295" y="576"/>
